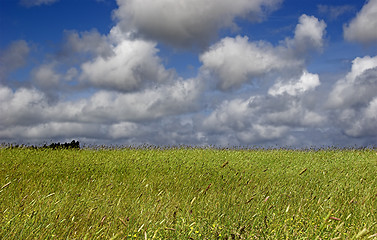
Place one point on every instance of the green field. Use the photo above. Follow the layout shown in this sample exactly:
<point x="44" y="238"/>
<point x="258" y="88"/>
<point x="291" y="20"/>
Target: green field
<point x="188" y="193"/>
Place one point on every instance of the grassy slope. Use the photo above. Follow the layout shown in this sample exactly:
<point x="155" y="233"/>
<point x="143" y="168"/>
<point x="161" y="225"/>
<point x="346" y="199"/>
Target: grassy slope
<point x="186" y="193"/>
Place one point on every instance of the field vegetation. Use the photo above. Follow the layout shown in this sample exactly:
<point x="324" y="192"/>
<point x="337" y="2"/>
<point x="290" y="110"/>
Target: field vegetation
<point x="187" y="193"/>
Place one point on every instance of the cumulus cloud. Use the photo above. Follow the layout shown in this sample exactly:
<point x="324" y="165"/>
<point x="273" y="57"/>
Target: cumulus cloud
<point x="166" y="131"/>
<point x="360" y="122"/>
<point x="274" y="117"/>
<point x="145" y="105"/>
<point x="362" y="28"/>
<point x="306" y="82"/>
<point x="116" y="61"/>
<point x="261" y="118"/>
<point x="13" y="57"/>
<point x="124" y="130"/>
<point x="173" y="130"/>
<point x="53" y="130"/>
<point x="293" y="108"/>
<point x="186" y="23"/>
<point x="358" y="87"/>
<point x="32" y="3"/>
<point x="353" y="99"/>
<point x="235" y="61"/>
<point x="23" y="107"/>
<point x="133" y="64"/>
<point x="309" y="35"/>
<point x="28" y="111"/>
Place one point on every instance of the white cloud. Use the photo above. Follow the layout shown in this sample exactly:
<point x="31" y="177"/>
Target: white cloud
<point x="28" y="115"/>
<point x="28" y="106"/>
<point x="56" y="131"/>
<point x="13" y="57"/>
<point x="354" y="99"/>
<point x="294" y="114"/>
<point x="32" y="3"/>
<point x="180" y="97"/>
<point x="309" y="35"/>
<point x="124" y="130"/>
<point x="261" y="118"/>
<point x="307" y="81"/>
<point x="276" y="116"/>
<point x="133" y="64"/>
<point x="363" y="123"/>
<point x="229" y="115"/>
<point x="260" y="133"/>
<point x="21" y="107"/>
<point x="363" y="27"/>
<point x="359" y="122"/>
<point x="358" y="87"/>
<point x="187" y="23"/>
<point x="236" y="61"/>
<point x="360" y="65"/>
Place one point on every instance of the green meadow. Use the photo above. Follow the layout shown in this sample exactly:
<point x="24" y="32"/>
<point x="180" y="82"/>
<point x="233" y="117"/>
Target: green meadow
<point x="188" y="193"/>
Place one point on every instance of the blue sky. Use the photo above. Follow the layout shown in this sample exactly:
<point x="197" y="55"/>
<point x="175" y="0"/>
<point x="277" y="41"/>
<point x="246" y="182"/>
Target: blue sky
<point x="194" y="72"/>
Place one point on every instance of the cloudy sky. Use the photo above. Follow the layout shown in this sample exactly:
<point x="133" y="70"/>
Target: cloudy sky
<point x="192" y="72"/>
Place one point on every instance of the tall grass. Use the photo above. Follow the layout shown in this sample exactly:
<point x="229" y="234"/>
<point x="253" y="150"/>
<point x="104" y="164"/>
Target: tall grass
<point x="187" y="193"/>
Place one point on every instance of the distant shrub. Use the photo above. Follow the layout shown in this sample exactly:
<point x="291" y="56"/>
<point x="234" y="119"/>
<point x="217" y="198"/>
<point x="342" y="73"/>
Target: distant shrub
<point x="72" y="145"/>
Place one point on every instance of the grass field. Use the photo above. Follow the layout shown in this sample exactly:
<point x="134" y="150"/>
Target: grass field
<point x="188" y="193"/>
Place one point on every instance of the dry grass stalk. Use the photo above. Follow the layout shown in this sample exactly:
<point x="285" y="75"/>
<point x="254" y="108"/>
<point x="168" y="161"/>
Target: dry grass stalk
<point x="224" y="164"/>
<point x="6" y="185"/>
<point x="373" y="236"/>
<point x="302" y="171"/>
<point x="208" y="187"/>
<point x="171" y="229"/>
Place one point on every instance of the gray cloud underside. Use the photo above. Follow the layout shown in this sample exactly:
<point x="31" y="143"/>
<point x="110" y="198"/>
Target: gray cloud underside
<point x="187" y="23"/>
